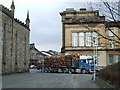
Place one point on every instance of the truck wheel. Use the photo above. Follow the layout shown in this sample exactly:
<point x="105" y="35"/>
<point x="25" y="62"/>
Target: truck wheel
<point x="65" y="71"/>
<point x="72" y="71"/>
<point x="69" y="72"/>
<point x="59" y="70"/>
<point x="45" y="71"/>
<point x="48" y="71"/>
<point x="83" y="71"/>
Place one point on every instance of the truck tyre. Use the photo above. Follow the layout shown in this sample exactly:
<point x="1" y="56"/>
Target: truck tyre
<point x="59" y="70"/>
<point x="65" y="71"/>
<point x="45" y="71"/>
<point x="69" y="72"/>
<point x="48" y="71"/>
<point x="83" y="71"/>
<point x="73" y="71"/>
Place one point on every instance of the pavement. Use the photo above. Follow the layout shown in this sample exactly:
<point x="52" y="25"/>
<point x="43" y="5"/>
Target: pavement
<point x="36" y="79"/>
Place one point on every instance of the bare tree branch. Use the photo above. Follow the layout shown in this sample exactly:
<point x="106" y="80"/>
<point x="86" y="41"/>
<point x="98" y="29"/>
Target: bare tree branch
<point x="108" y="6"/>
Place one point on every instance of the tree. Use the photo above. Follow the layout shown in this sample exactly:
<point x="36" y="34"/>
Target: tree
<point x="111" y="10"/>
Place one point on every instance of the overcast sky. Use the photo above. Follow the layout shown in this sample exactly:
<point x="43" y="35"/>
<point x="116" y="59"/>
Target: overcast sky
<point x="45" y="20"/>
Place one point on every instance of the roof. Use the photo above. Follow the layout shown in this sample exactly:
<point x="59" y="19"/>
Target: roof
<point x="46" y="53"/>
<point x="81" y="10"/>
<point x="112" y="24"/>
<point x="32" y="47"/>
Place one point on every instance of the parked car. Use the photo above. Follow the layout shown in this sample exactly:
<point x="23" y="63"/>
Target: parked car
<point x="32" y="66"/>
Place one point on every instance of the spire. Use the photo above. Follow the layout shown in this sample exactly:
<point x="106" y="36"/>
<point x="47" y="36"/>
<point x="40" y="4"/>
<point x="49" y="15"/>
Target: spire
<point x="28" y="14"/>
<point x="27" y="19"/>
<point x="12" y="8"/>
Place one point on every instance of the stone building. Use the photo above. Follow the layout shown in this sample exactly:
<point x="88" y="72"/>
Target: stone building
<point x="81" y="28"/>
<point x="35" y="55"/>
<point x="51" y="52"/>
<point x="14" y="41"/>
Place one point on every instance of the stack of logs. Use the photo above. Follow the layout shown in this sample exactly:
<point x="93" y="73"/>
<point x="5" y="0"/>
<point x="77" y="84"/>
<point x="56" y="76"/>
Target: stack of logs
<point x="62" y="60"/>
<point x="75" y="57"/>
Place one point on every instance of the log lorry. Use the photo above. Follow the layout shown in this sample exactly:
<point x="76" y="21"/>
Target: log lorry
<point x="67" y="64"/>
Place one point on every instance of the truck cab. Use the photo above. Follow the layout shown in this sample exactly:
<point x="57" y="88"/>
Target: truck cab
<point x="86" y="64"/>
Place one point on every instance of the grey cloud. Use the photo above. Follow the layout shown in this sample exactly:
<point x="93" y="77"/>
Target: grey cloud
<point x="46" y="24"/>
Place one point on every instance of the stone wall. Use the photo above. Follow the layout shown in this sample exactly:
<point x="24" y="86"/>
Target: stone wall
<point x="35" y="55"/>
<point x="1" y="42"/>
<point x="15" y="44"/>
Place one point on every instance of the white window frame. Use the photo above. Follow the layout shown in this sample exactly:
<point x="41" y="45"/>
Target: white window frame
<point x="88" y="38"/>
<point x="74" y="39"/>
<point x="110" y="33"/>
<point x="81" y="39"/>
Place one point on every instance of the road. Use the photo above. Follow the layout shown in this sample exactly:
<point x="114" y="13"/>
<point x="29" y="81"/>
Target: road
<point x="48" y="80"/>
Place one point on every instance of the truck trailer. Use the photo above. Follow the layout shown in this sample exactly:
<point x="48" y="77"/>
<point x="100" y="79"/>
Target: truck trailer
<point x="67" y="64"/>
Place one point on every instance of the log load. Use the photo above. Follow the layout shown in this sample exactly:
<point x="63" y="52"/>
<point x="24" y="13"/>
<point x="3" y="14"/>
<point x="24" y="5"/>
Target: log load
<point x="62" y="60"/>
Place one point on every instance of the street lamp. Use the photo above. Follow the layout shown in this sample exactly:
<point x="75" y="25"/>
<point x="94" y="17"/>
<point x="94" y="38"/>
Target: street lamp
<point x="95" y="55"/>
<point x="94" y="58"/>
<point x="95" y="51"/>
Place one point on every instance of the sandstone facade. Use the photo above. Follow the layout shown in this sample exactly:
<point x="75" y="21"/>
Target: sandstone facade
<point x="77" y="35"/>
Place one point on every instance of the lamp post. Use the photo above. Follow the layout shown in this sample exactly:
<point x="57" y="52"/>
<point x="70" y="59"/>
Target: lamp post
<point x="95" y="55"/>
<point x="94" y="74"/>
<point x="95" y="43"/>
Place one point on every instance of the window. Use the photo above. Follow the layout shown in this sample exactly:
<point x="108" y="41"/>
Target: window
<point x="4" y="42"/>
<point x="16" y="47"/>
<point x="111" y="44"/>
<point x="25" y="49"/>
<point x="81" y="39"/>
<point x="88" y="38"/>
<point x="111" y="59"/>
<point x="110" y="33"/>
<point x="74" y="39"/>
<point x="117" y="58"/>
<point x="95" y="38"/>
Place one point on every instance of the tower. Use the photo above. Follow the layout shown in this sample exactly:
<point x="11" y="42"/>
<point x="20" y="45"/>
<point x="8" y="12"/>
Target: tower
<point x="28" y="20"/>
<point x="12" y="8"/>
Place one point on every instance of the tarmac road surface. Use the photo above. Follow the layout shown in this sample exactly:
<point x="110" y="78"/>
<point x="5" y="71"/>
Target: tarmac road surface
<point x="48" y="80"/>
